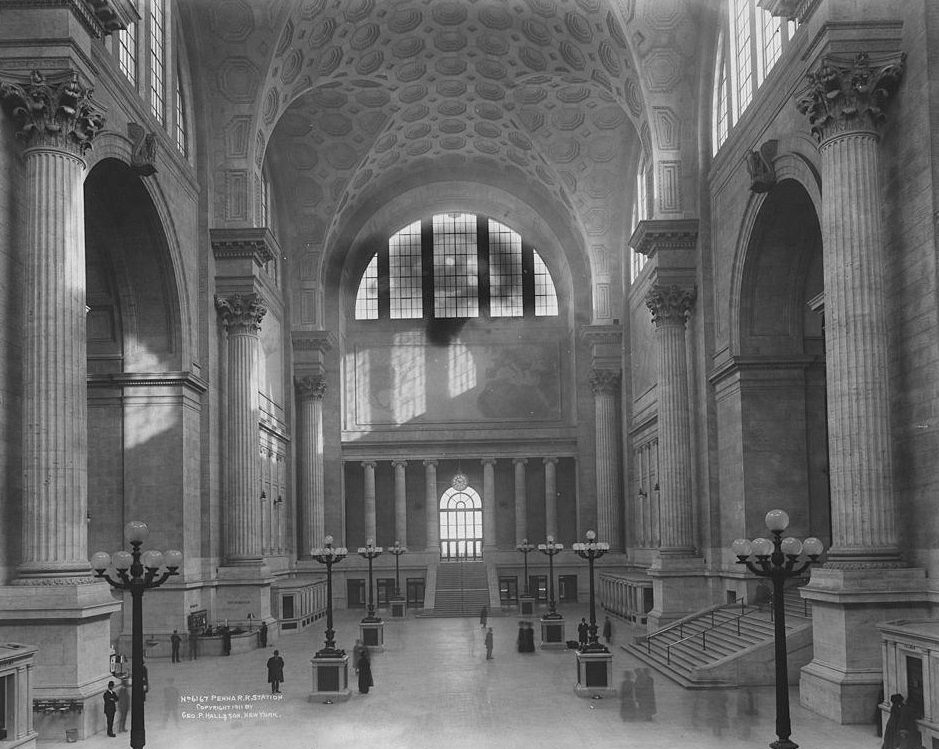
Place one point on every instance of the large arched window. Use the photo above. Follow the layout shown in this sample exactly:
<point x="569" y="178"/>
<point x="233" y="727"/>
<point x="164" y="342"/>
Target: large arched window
<point x="752" y="41"/>
<point x="455" y="265"/>
<point x="461" y="522"/>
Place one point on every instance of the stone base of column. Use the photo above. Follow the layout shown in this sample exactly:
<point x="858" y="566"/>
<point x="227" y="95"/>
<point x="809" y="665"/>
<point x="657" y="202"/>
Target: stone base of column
<point x="846" y="673"/>
<point x="70" y="624"/>
<point x="243" y="590"/>
<point x="330" y="679"/>
<point x="679" y="588"/>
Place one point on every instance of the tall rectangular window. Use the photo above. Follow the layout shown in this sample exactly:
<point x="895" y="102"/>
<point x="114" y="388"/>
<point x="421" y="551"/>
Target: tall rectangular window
<point x="640" y="213"/>
<point x="546" y="298"/>
<point x="366" y="300"/>
<point x="505" y="271"/>
<point x="722" y="109"/>
<point x="127" y="52"/>
<point x="158" y="59"/>
<point x="744" y="67"/>
<point x="455" y="265"/>
<point x="405" y="273"/>
<point x="182" y="141"/>
<point x="771" y="43"/>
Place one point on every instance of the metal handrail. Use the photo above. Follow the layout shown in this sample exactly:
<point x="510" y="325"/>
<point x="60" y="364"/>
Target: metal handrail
<point x="713" y="626"/>
<point x="680" y="624"/>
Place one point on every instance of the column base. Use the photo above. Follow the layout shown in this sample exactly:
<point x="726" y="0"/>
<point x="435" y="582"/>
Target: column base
<point x="70" y="625"/>
<point x="243" y="589"/>
<point x="330" y="679"/>
<point x="594" y="675"/>
<point x="679" y="589"/>
<point x="843" y="679"/>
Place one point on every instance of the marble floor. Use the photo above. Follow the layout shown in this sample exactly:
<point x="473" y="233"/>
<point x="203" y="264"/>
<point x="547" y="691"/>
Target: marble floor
<point x="434" y="688"/>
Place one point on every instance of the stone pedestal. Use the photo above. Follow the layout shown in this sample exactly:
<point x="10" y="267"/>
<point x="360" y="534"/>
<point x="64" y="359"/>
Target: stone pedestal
<point x="846" y="672"/>
<point x="526" y="606"/>
<point x="594" y="675"/>
<point x="552" y="633"/>
<point x="399" y="608"/>
<point x="330" y="679"/>
<point x="242" y="590"/>
<point x="372" y="634"/>
<point x="679" y="588"/>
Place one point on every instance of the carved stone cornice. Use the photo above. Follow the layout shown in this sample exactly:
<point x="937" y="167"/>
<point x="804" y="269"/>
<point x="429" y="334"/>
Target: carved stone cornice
<point x="311" y="387"/>
<point x="604" y="381"/>
<point x="670" y="304"/>
<point x="114" y="15"/>
<point x="256" y="243"/>
<point x="55" y="111"/>
<point x="850" y="93"/>
<point x="312" y="340"/>
<point x="399" y="463"/>
<point x="792" y="10"/>
<point x="240" y="311"/>
<point x="653" y="235"/>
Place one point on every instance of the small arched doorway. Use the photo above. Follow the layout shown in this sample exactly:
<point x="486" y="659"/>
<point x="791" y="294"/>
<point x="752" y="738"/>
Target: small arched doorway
<point x="461" y="521"/>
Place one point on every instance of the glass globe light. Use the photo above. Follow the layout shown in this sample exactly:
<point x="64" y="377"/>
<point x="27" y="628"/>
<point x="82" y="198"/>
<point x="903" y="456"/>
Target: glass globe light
<point x="122" y="560"/>
<point x="591" y="536"/>
<point x="328" y="540"/>
<point x="152" y="559"/>
<point x="791" y="546"/>
<point x="762" y="547"/>
<point x="173" y="559"/>
<point x="100" y="561"/>
<point x="136" y="531"/>
<point x="550" y="539"/>
<point x="777" y="520"/>
<point x="741" y="547"/>
<point x="812" y="546"/>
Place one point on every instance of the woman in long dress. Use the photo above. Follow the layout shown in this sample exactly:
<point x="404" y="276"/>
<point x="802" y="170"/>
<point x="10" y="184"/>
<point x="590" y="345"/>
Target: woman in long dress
<point x="364" y="668"/>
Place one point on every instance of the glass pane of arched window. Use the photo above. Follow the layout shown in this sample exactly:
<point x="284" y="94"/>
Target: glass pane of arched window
<point x="158" y="59"/>
<point x="455" y="266"/>
<point x="404" y="273"/>
<point x="546" y="298"/>
<point x="505" y="271"/>
<point x="366" y="300"/>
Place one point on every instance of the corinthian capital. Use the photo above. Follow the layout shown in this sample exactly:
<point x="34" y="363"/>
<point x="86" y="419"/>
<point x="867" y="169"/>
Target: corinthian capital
<point x="241" y="311"/>
<point x="311" y="387"/>
<point x="55" y="111"/>
<point x="604" y="381"/>
<point x="670" y="304"/>
<point x="850" y="93"/>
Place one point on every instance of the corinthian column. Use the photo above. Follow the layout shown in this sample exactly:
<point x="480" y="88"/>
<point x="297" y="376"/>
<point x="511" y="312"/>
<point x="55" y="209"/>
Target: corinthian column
<point x="57" y="121"/>
<point x="521" y="501"/>
<point x="368" y="478"/>
<point x="311" y="390"/>
<point x="845" y="104"/>
<point x="430" y="505"/>
<point x="605" y="384"/>
<point x="401" y="500"/>
<point x="241" y="316"/>
<point x="550" y="497"/>
<point x="489" y="503"/>
<point x="670" y="306"/>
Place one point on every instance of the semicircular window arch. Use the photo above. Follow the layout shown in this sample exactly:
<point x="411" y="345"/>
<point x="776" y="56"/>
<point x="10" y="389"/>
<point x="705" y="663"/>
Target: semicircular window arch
<point x="456" y="265"/>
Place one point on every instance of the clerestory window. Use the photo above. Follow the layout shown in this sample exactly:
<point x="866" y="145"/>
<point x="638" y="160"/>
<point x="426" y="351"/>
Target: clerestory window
<point x="456" y="265"/>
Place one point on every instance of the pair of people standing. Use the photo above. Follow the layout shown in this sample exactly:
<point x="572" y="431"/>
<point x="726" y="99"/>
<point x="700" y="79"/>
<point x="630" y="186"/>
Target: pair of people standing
<point x="637" y="696"/>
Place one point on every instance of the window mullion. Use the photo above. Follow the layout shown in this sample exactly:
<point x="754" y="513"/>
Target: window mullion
<point x="427" y="266"/>
<point x="384" y="284"/>
<point x="482" y="271"/>
<point x="757" y="64"/>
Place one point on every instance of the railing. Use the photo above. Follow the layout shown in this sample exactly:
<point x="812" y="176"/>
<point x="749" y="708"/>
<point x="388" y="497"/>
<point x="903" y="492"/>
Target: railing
<point x="680" y="624"/>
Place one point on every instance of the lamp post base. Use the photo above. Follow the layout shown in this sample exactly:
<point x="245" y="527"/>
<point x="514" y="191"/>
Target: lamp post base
<point x="784" y="744"/>
<point x="552" y="632"/>
<point x="330" y="678"/>
<point x="526" y="606"/>
<point x="399" y="608"/>
<point x="594" y="674"/>
<point x="372" y="634"/>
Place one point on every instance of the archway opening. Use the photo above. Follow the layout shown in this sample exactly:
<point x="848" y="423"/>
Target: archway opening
<point x="461" y="523"/>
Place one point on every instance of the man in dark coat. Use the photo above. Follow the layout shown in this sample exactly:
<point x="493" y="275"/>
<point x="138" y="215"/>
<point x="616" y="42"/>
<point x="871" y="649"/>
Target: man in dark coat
<point x="123" y="705"/>
<point x="226" y="640"/>
<point x="275" y="672"/>
<point x="892" y="730"/>
<point x="175" y="641"/>
<point x="110" y="707"/>
<point x="483" y="616"/>
<point x="262" y="635"/>
<point x="582" y="629"/>
<point x="364" y="668"/>
<point x="607" y="629"/>
<point x="489" y="644"/>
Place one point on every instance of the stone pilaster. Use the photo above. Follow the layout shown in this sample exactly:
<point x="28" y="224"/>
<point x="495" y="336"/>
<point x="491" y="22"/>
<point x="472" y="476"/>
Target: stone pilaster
<point x="401" y="500"/>
<point x="863" y="580"/>
<point x="241" y="316"/>
<point x="550" y="497"/>
<point x="312" y="501"/>
<point x="368" y="497"/>
<point x="605" y="384"/>
<point x="521" y="500"/>
<point x="431" y="506"/>
<point x="489" y="503"/>
<point x="670" y="307"/>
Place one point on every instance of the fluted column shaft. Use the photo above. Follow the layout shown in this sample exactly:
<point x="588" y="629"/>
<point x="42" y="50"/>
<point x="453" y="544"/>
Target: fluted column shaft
<point x="521" y="501"/>
<point x="845" y="103"/>
<point x="57" y="120"/>
<point x="401" y="500"/>
<point x="312" y="502"/>
<point x="430" y="505"/>
<point x="670" y="307"/>
<point x="550" y="497"/>
<point x="368" y="482"/>
<point x="241" y="315"/>
<point x="489" y="503"/>
<point x="606" y="384"/>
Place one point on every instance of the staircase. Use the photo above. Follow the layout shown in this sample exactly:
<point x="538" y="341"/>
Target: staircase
<point x="724" y="646"/>
<point x="462" y="589"/>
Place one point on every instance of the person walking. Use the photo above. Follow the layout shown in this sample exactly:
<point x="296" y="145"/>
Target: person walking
<point x="627" y="687"/>
<point x="262" y="635"/>
<point x="892" y="729"/>
<point x="175" y="641"/>
<point x="123" y="704"/>
<point x="275" y="672"/>
<point x="644" y="688"/>
<point x="226" y="640"/>
<point x="582" y="629"/>
<point x="170" y="703"/>
<point x="483" y="617"/>
<point x="607" y="629"/>
<point x="364" y="668"/>
<point x="110" y="707"/>
<point x="489" y="644"/>
<point x="193" y="645"/>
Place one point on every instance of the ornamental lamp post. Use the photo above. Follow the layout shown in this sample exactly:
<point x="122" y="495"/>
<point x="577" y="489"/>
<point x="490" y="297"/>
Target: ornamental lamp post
<point x="370" y="552"/>
<point x="526" y="549"/>
<point x="397" y="550"/>
<point x="136" y="573"/>
<point x="550" y="549"/>
<point x="778" y="559"/>
<point x="591" y="551"/>
<point x="329" y="555"/>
